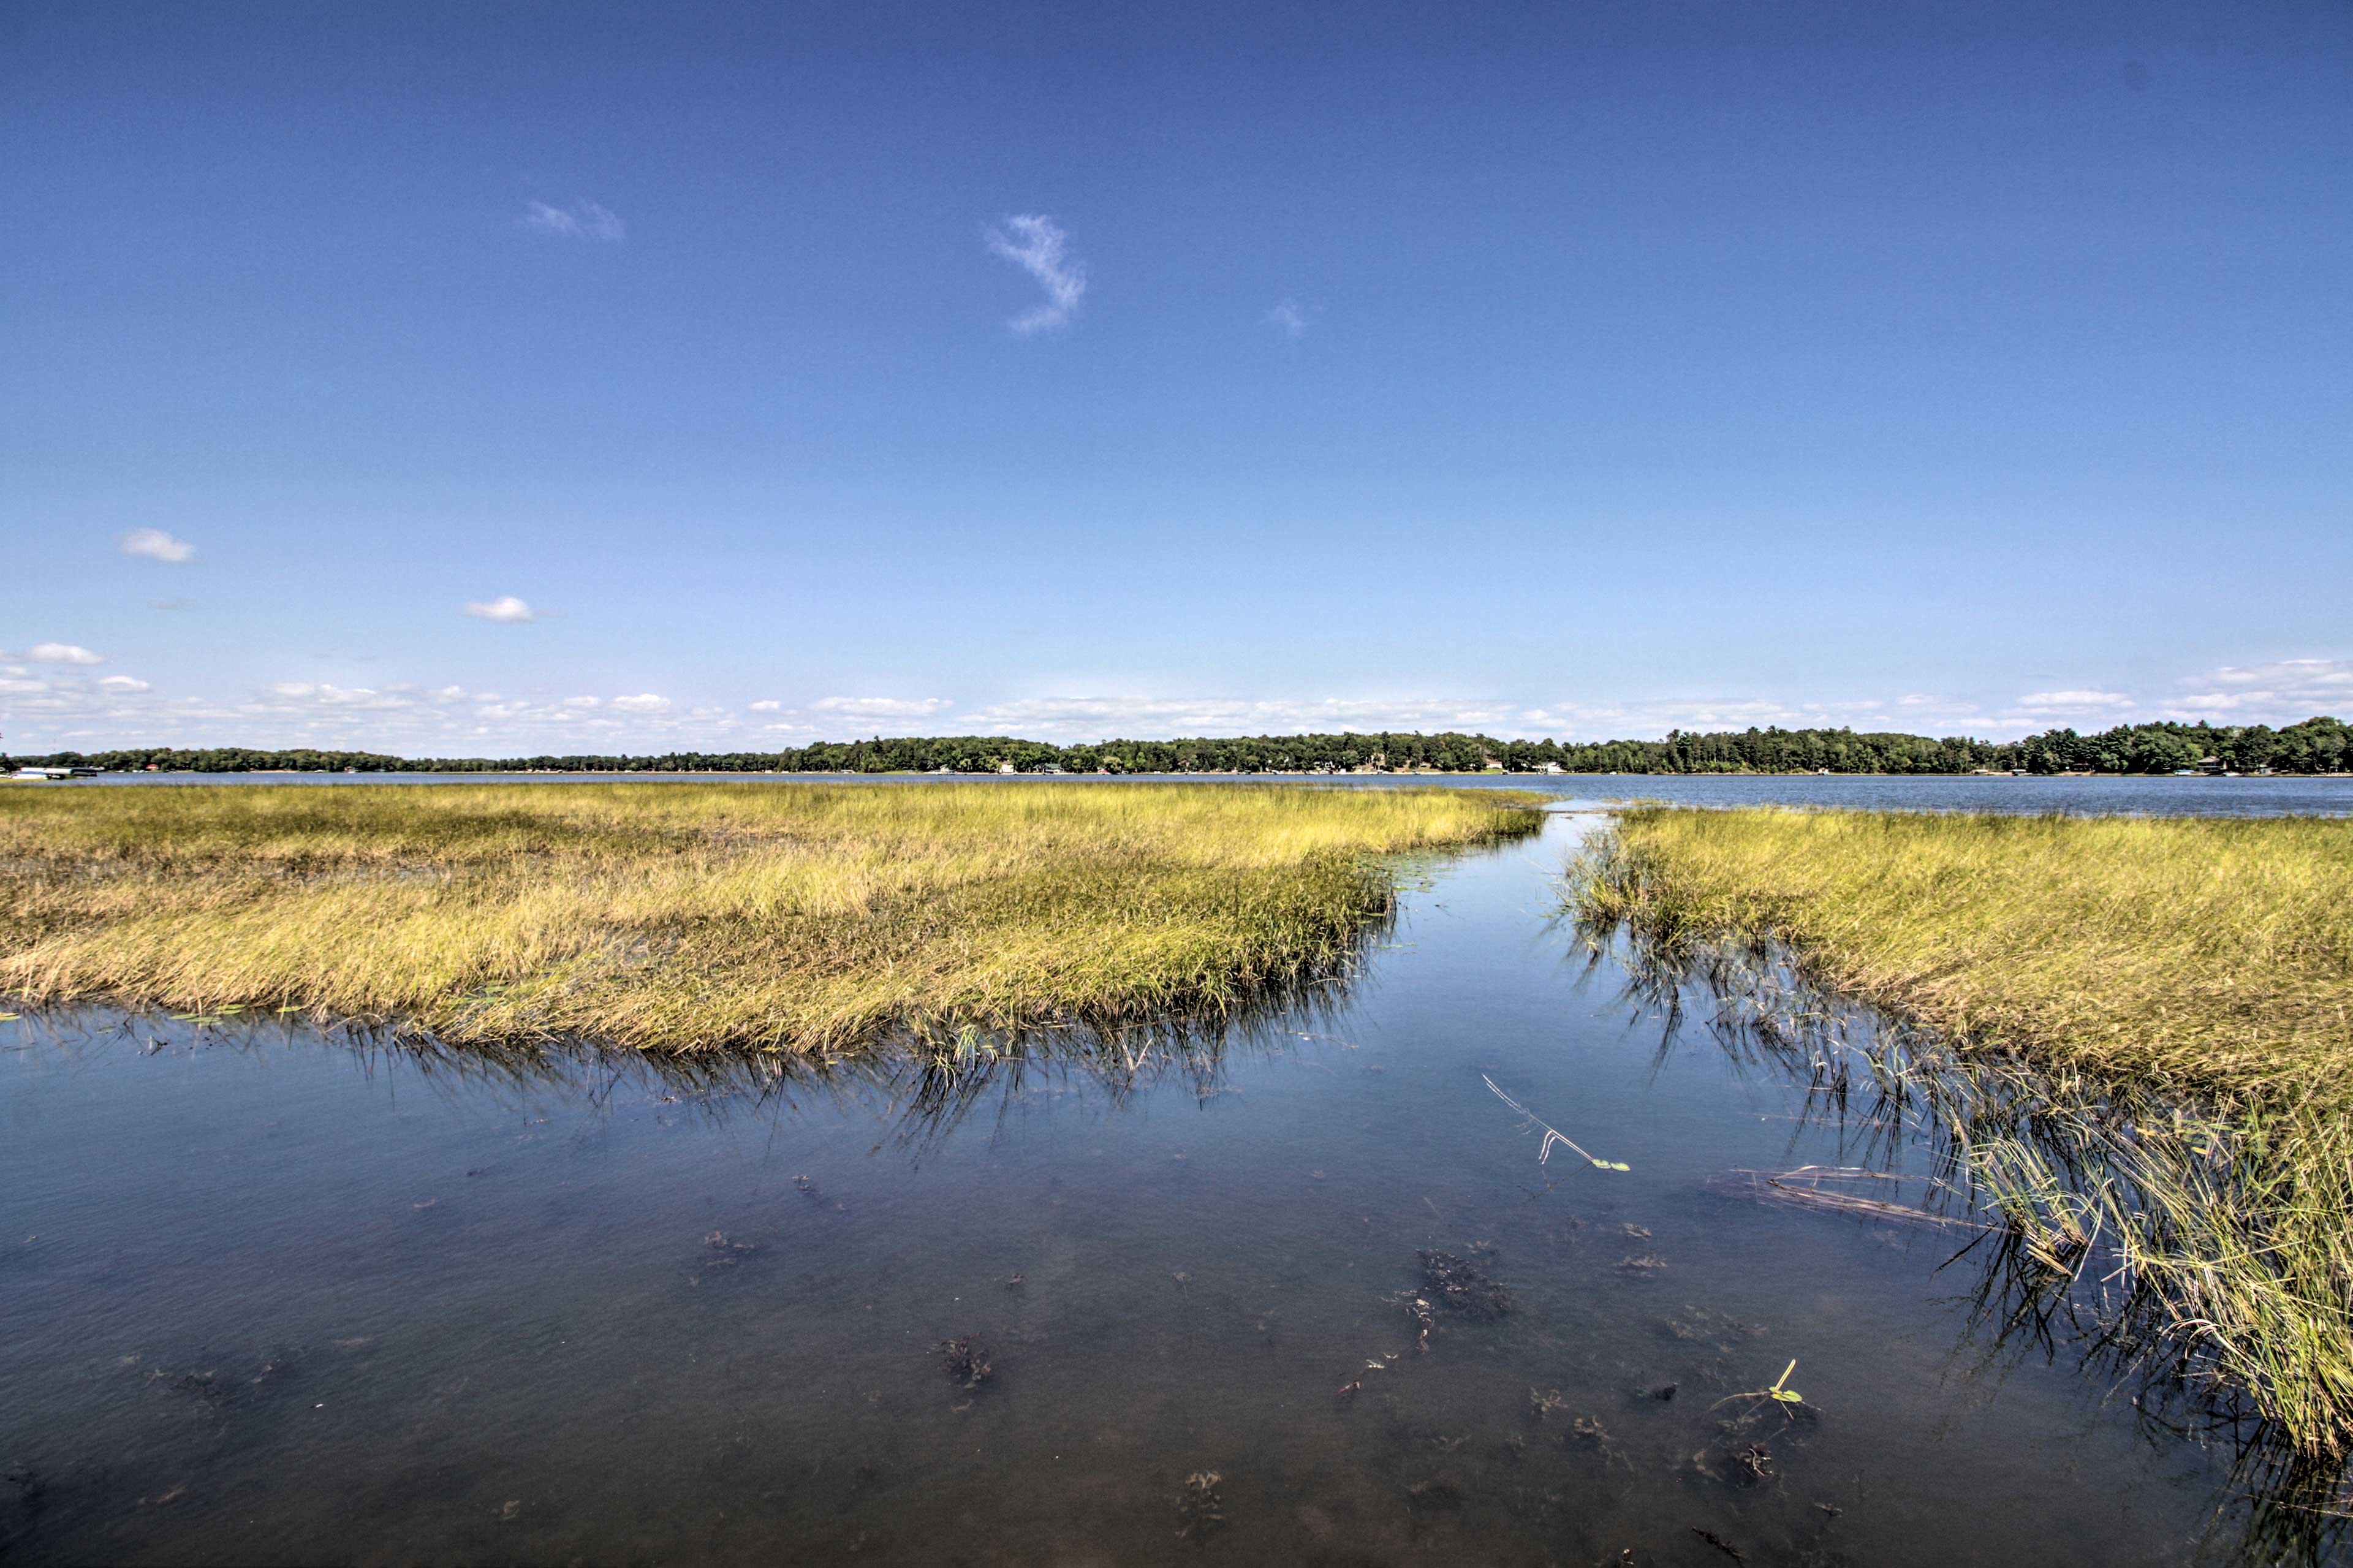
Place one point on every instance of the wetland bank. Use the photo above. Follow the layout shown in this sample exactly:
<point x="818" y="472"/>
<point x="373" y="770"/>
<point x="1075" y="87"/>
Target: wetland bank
<point x="1150" y="1292"/>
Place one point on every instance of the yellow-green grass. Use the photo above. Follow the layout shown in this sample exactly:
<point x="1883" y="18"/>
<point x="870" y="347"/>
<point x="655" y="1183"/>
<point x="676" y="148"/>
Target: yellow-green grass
<point x="2176" y="994"/>
<point x="671" y="916"/>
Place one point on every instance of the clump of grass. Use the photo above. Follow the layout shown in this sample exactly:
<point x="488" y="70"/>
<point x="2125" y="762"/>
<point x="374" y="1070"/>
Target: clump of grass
<point x="799" y="916"/>
<point x="2161" y="1009"/>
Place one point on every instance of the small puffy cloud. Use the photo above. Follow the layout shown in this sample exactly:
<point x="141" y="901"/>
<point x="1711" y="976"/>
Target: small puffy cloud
<point x="64" y="653"/>
<point x="1288" y="319"/>
<point x="644" y="702"/>
<point x="449" y="694"/>
<point x="581" y="220"/>
<point x="766" y="707"/>
<point x="581" y="702"/>
<point x="507" y="609"/>
<point x="1035" y="244"/>
<point x="156" y="545"/>
<point x="882" y="707"/>
<point x="122" y="683"/>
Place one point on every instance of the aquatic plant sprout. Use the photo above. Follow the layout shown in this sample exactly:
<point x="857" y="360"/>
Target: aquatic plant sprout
<point x="1551" y="1135"/>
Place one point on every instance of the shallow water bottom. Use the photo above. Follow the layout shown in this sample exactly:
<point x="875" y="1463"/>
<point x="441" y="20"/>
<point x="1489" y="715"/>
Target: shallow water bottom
<point x="267" y="1297"/>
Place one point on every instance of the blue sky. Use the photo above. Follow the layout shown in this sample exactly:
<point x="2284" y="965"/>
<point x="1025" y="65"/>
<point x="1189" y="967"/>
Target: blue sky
<point x="494" y="379"/>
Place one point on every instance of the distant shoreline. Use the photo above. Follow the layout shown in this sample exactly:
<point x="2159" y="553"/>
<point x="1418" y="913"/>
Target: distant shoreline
<point x="2318" y="746"/>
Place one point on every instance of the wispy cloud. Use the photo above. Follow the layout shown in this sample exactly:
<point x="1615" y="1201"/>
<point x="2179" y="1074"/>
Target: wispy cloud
<point x="877" y="707"/>
<point x="644" y="702"/>
<point x="2066" y="702"/>
<point x="63" y="653"/>
<point x="1288" y="318"/>
<point x="581" y="220"/>
<point x="1035" y="244"/>
<point x="124" y="684"/>
<point x="156" y="545"/>
<point x="508" y="608"/>
<point x="2287" y="689"/>
<point x="324" y="694"/>
<point x="1091" y="718"/>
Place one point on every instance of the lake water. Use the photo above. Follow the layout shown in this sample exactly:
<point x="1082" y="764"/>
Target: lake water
<point x="2165" y="796"/>
<point x="269" y="1297"/>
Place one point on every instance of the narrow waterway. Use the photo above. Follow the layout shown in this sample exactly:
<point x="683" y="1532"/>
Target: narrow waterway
<point x="267" y="1297"/>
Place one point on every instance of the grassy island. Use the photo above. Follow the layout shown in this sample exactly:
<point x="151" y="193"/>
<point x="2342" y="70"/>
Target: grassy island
<point x="672" y="916"/>
<point x="2166" y="1005"/>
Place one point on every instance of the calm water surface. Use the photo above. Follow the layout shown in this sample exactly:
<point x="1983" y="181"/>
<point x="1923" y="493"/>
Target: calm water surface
<point x="272" y="1297"/>
<point x="2167" y="796"/>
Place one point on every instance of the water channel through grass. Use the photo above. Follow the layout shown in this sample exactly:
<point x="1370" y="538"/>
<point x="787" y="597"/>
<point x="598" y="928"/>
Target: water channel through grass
<point x="1300" y="1290"/>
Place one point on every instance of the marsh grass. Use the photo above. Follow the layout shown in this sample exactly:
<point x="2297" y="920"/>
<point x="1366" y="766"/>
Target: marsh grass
<point x="669" y="917"/>
<point x="2131" y="1034"/>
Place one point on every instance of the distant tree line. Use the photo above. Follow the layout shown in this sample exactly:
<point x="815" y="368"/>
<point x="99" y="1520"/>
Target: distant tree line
<point x="2319" y="746"/>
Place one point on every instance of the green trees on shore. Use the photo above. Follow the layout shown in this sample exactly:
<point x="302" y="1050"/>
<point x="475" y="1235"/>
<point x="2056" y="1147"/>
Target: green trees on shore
<point x="2319" y="746"/>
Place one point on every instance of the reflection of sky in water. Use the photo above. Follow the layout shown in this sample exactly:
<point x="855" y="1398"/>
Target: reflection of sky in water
<point x="286" y="1302"/>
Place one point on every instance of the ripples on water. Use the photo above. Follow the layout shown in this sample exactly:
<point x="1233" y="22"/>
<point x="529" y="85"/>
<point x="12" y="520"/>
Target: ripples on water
<point x="269" y="1297"/>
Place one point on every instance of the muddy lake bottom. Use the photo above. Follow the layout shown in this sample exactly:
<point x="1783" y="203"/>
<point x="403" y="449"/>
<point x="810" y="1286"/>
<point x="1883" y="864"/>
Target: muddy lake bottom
<point x="272" y="1297"/>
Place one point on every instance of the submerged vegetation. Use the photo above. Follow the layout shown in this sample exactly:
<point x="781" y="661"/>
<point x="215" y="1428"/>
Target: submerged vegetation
<point x="797" y="916"/>
<point x="2136" y="1036"/>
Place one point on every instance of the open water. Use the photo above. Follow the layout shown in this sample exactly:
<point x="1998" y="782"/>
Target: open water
<point x="2165" y="796"/>
<point x="270" y="1297"/>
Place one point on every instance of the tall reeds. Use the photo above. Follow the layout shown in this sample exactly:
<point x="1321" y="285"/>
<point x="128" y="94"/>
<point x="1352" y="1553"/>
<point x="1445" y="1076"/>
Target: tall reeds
<point x="2137" y="1034"/>
<point x="672" y="916"/>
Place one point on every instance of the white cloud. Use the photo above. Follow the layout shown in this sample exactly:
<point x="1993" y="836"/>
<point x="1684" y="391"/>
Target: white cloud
<point x="1288" y="319"/>
<point x="449" y="694"/>
<point x="581" y="220"/>
<point x="325" y="695"/>
<point x="507" y="609"/>
<point x="882" y="707"/>
<point x="1035" y="244"/>
<point x="2062" y="702"/>
<point x="766" y="707"/>
<point x="2281" y="693"/>
<point x="122" y="683"/>
<point x="63" y="653"/>
<point x="581" y="702"/>
<point x="644" y="702"/>
<point x="1091" y="718"/>
<point x="156" y="545"/>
